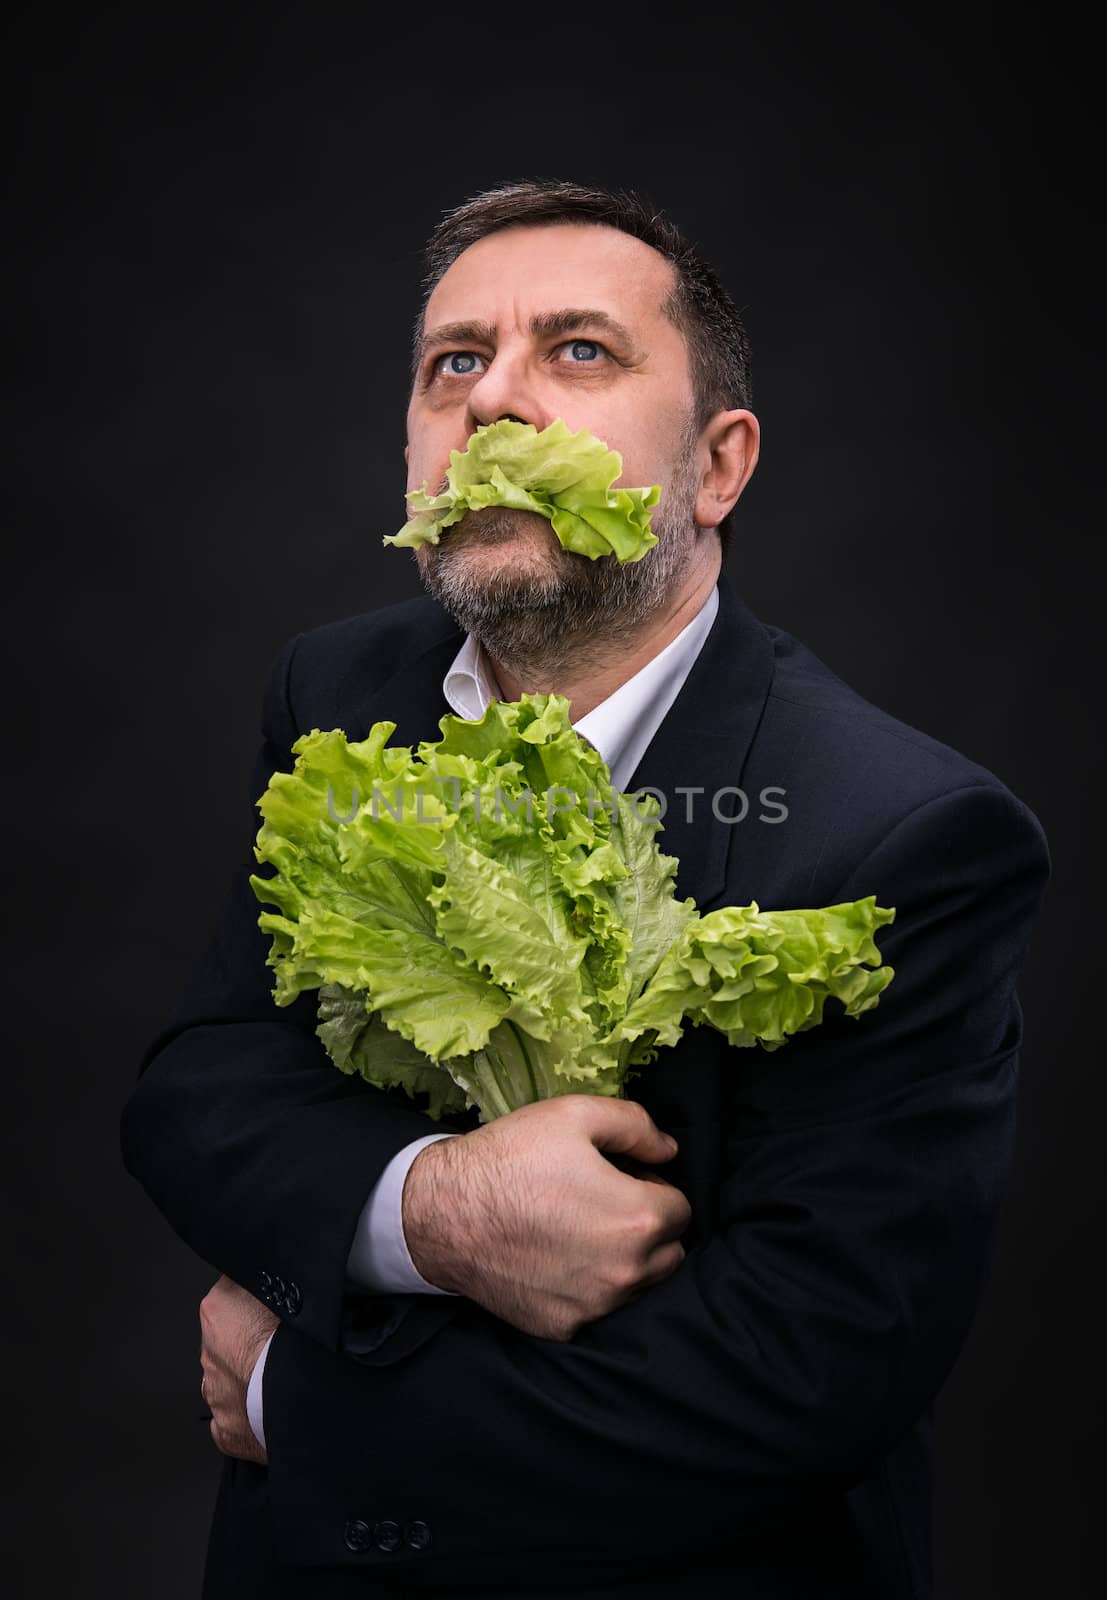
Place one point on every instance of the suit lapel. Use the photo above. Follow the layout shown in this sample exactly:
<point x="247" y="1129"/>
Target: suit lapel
<point x="703" y="743"/>
<point x="412" y="697"/>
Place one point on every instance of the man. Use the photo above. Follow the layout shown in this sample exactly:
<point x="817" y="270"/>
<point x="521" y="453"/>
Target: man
<point x="549" y="1355"/>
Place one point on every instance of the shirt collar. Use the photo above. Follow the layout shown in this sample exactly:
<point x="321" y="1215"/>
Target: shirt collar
<point x="468" y="685"/>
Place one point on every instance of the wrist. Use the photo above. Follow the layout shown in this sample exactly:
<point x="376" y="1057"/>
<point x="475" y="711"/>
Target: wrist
<point x="429" y="1208"/>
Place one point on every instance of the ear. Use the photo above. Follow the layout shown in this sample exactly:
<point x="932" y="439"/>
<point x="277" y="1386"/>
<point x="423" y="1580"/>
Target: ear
<point x="734" y="440"/>
<point x="407" y="452"/>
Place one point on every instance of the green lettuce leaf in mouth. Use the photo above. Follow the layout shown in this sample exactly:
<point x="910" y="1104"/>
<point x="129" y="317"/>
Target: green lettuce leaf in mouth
<point x="477" y="945"/>
<point x="565" y="477"/>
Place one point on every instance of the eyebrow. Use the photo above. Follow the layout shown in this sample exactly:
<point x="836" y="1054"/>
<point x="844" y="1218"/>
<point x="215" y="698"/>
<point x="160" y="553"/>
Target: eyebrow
<point x="545" y="324"/>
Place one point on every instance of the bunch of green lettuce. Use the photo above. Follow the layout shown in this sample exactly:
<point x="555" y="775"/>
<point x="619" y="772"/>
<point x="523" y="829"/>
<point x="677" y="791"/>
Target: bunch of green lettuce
<point x="490" y="923"/>
<point x="564" y="476"/>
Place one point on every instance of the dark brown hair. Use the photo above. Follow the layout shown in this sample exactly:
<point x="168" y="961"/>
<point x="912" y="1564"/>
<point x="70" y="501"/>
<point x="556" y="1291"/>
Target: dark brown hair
<point x="697" y="304"/>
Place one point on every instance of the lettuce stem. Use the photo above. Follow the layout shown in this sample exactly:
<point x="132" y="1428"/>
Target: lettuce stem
<point x="520" y="1041"/>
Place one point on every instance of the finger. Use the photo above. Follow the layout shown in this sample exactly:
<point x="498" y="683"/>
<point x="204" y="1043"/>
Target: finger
<point x="626" y="1127"/>
<point x="670" y="1209"/>
<point x="662" y="1263"/>
<point x="217" y="1289"/>
<point x="675" y="1214"/>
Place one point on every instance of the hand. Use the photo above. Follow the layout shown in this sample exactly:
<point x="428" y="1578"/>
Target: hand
<point x="528" y="1218"/>
<point x="233" y="1329"/>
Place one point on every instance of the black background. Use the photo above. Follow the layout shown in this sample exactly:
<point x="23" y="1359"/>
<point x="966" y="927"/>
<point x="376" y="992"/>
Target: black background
<point x="215" y="228"/>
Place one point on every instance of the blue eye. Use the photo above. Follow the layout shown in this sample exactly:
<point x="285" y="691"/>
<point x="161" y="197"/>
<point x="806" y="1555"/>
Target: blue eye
<point x="575" y="344"/>
<point x="460" y="355"/>
<point x="470" y="356"/>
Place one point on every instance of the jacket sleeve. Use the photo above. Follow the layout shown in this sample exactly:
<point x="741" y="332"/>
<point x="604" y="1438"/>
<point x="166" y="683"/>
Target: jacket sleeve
<point x="256" y="1150"/>
<point x="807" y="1333"/>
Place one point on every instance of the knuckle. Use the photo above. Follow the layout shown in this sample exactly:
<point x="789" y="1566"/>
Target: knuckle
<point x="572" y="1109"/>
<point x="620" y="1279"/>
<point x="612" y="1300"/>
<point x="643" y="1225"/>
<point x="672" y="1259"/>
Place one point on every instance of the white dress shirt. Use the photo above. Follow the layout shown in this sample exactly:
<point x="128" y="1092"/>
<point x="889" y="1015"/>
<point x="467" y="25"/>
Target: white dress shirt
<point x="621" y="728"/>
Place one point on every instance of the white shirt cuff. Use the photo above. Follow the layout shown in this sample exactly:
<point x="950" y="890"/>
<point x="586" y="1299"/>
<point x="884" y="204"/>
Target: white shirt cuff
<point x="379" y="1259"/>
<point x="253" y="1393"/>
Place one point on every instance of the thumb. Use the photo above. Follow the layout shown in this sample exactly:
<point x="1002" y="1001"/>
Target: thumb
<point x="626" y="1128"/>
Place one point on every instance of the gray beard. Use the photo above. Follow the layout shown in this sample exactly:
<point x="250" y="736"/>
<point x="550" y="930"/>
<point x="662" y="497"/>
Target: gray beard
<point x="576" y="610"/>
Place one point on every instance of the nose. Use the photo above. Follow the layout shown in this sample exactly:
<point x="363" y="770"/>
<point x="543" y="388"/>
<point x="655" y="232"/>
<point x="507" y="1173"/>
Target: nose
<point x="504" y="392"/>
<point x="483" y="415"/>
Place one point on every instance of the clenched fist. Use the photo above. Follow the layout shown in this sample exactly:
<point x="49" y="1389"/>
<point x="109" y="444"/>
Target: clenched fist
<point x="527" y="1217"/>
<point x="233" y="1329"/>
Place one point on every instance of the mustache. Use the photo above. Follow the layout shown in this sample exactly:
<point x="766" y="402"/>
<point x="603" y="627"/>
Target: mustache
<point x="491" y="525"/>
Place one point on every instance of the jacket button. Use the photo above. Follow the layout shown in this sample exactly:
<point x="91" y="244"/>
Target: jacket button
<point x="293" y="1300"/>
<point x="358" y="1535"/>
<point x="417" y="1535"/>
<point x="386" y="1535"/>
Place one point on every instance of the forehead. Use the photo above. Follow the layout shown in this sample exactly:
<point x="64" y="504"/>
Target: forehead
<point x="515" y="271"/>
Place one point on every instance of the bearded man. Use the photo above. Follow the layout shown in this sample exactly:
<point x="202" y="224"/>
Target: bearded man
<point x="552" y="1355"/>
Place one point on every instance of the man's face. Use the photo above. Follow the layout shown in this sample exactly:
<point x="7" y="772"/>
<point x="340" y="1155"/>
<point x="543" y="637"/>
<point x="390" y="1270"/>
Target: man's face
<point x="630" y="386"/>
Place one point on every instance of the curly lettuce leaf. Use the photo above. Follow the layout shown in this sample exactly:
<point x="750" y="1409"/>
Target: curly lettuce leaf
<point x="354" y="834"/>
<point x="563" y="476"/>
<point x="761" y="976"/>
<point x="358" y="1041"/>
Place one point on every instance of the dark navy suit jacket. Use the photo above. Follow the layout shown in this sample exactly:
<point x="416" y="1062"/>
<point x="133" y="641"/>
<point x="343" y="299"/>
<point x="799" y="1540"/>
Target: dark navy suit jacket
<point x="758" y="1424"/>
